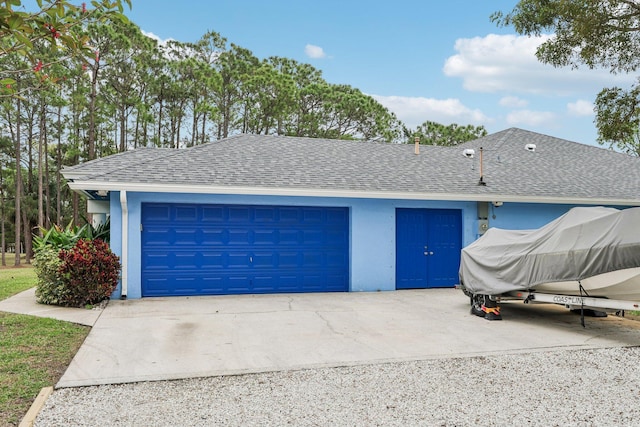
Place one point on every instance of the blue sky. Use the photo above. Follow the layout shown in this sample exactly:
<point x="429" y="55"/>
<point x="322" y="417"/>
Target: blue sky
<point x="442" y="61"/>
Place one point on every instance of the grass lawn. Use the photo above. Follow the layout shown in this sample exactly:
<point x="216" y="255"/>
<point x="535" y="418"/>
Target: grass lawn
<point x="34" y="351"/>
<point x="14" y="280"/>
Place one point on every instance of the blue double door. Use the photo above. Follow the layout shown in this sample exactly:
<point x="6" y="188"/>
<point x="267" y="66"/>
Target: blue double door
<point x="428" y="245"/>
<point x="195" y="249"/>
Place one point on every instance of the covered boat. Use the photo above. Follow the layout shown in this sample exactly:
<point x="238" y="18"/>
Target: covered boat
<point x="593" y="251"/>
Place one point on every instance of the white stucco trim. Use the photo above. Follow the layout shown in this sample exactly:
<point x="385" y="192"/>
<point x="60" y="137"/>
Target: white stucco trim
<point x="125" y="242"/>
<point x="317" y="192"/>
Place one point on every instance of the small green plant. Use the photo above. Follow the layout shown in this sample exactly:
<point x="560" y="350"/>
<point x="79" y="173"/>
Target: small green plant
<point x="58" y="237"/>
<point x="102" y="231"/>
<point x="65" y="238"/>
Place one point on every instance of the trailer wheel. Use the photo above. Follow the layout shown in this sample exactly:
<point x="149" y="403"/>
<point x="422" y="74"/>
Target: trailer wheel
<point x="477" y="301"/>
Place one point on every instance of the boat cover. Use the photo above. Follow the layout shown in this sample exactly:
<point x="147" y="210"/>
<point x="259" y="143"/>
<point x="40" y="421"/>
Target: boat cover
<point x="582" y="243"/>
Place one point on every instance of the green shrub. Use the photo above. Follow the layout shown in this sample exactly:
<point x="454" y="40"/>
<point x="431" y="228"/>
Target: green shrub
<point x="89" y="272"/>
<point x="101" y="231"/>
<point x="58" y="238"/>
<point x="50" y="289"/>
<point x="65" y="238"/>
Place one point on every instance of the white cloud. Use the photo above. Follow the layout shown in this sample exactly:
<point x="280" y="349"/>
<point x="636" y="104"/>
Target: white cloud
<point x="513" y="102"/>
<point x="580" y="108"/>
<point x="530" y="118"/>
<point x="161" y="42"/>
<point x="414" y="111"/>
<point x="508" y="63"/>
<point x="315" y="52"/>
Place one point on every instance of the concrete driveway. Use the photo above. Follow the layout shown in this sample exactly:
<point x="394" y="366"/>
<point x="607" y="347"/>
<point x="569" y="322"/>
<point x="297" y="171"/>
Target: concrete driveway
<point x="172" y="338"/>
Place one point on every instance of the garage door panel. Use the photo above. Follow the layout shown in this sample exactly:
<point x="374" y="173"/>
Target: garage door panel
<point x="238" y="259"/>
<point x="155" y="236"/>
<point x="186" y="285"/>
<point x="316" y="260"/>
<point x="186" y="236"/>
<point x="312" y="215"/>
<point x="336" y="237"/>
<point x="213" y="214"/>
<point x="312" y="238"/>
<point x="239" y="237"/>
<point x="265" y="237"/>
<point x="185" y="214"/>
<point x="186" y="260"/>
<point x="158" y="213"/>
<point x="289" y="237"/>
<point x="337" y="215"/>
<point x="214" y="237"/>
<point x="335" y="259"/>
<point x="288" y="259"/>
<point x="289" y="214"/>
<point x="238" y="284"/>
<point x="215" y="260"/>
<point x="238" y="214"/>
<point x="264" y="215"/>
<point x="156" y="260"/>
<point x="227" y="249"/>
<point x="158" y="285"/>
<point x="211" y="284"/>
<point x="264" y="260"/>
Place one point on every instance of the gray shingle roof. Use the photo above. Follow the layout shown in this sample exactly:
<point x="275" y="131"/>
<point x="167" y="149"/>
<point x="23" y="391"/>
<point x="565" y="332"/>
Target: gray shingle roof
<point x="268" y="164"/>
<point x="115" y="161"/>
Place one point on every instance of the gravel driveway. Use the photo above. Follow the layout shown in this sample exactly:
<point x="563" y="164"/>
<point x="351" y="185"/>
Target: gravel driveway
<point x="560" y="388"/>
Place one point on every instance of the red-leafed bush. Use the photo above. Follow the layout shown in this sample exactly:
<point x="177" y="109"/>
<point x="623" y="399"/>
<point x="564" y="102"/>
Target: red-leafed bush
<point x="89" y="271"/>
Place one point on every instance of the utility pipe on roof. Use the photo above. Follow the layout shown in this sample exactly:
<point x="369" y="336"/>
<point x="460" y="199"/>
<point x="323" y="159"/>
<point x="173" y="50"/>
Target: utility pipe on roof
<point x="124" y="258"/>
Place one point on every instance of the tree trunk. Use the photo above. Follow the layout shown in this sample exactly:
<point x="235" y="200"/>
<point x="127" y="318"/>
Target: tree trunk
<point x="145" y="133"/>
<point x="123" y="129"/>
<point x="47" y="191"/>
<point x="41" y="171"/>
<point x="204" y="121"/>
<point x="137" y="129"/>
<point x="91" y="142"/>
<point x="2" y="242"/>
<point x="29" y="184"/>
<point x="28" y="243"/>
<point x="194" y="125"/>
<point x="160" y="119"/>
<point x="58" y="167"/>
<point x="18" y="213"/>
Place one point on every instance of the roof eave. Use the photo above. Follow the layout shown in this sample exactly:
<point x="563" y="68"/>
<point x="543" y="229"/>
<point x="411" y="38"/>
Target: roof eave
<point x="85" y="186"/>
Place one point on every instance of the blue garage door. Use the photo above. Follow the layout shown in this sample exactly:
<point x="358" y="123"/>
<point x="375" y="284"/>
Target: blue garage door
<point x="190" y="249"/>
<point x="428" y="244"/>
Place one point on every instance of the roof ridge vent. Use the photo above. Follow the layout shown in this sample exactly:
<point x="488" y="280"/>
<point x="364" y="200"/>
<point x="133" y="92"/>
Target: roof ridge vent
<point x="530" y="147"/>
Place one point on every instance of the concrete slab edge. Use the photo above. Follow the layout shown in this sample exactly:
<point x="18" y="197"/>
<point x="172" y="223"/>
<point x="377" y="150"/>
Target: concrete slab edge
<point x="30" y="417"/>
<point x="234" y="372"/>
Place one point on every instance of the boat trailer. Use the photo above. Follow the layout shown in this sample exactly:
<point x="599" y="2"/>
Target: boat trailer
<point x="572" y="302"/>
